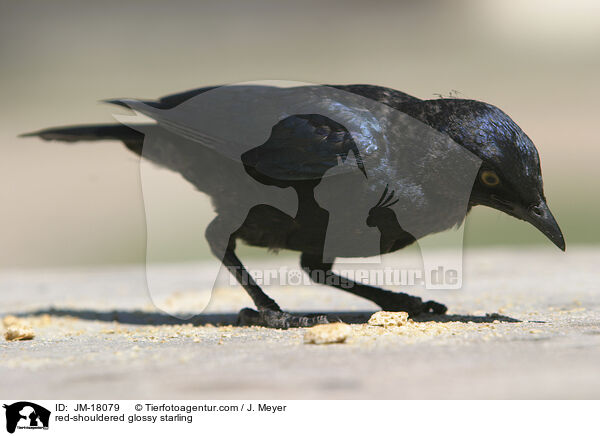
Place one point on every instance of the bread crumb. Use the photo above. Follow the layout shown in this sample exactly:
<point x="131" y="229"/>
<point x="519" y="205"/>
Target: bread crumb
<point x="19" y="332"/>
<point x="333" y="333"/>
<point x="388" y="319"/>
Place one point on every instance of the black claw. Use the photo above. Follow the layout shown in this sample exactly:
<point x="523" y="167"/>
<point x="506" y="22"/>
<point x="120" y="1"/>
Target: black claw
<point x="400" y="302"/>
<point x="434" y="307"/>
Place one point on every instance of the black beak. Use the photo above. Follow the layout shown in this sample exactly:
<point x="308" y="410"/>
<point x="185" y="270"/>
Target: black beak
<point x="541" y="218"/>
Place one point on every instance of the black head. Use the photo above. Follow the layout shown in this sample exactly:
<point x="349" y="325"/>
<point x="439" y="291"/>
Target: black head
<point x="510" y="178"/>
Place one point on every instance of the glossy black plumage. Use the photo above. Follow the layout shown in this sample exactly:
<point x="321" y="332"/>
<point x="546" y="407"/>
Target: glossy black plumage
<point x="303" y="147"/>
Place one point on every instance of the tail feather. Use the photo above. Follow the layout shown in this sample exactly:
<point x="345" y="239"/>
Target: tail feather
<point x="96" y="132"/>
<point x="99" y="132"/>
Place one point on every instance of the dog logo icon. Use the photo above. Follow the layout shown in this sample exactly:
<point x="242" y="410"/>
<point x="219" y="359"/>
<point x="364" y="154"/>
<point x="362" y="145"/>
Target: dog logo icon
<point x="26" y="415"/>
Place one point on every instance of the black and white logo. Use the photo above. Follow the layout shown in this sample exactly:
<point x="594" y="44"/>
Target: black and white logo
<point x="26" y="415"/>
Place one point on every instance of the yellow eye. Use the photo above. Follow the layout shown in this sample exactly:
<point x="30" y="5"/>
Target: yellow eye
<point x="490" y="178"/>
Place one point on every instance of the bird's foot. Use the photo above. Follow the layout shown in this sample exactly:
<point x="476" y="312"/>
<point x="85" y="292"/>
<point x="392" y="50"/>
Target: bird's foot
<point x="278" y="319"/>
<point x="401" y="302"/>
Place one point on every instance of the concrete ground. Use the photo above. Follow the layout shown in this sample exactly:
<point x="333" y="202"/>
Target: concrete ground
<point x="98" y="336"/>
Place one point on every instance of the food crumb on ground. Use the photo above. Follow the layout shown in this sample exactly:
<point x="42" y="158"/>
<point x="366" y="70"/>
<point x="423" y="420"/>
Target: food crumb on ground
<point x="19" y="332"/>
<point x="333" y="333"/>
<point x="388" y="319"/>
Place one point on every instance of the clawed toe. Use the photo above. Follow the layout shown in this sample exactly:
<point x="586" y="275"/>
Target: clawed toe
<point x="278" y="319"/>
<point x="400" y="302"/>
<point x="434" y="307"/>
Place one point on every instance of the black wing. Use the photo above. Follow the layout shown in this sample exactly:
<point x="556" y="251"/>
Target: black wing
<point x="300" y="147"/>
<point x="388" y="96"/>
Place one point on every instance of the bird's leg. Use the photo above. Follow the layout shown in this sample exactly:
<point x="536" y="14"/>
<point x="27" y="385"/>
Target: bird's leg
<point x="320" y="272"/>
<point x="235" y="267"/>
<point x="269" y="314"/>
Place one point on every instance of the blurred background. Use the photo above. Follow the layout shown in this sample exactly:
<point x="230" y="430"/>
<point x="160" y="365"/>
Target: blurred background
<point x="66" y="205"/>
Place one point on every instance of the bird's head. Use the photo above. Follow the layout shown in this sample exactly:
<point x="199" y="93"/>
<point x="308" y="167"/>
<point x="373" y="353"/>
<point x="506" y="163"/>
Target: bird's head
<point x="510" y="177"/>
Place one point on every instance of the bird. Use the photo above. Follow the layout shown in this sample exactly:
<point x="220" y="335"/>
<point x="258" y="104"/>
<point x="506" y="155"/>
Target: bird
<point x="303" y="152"/>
